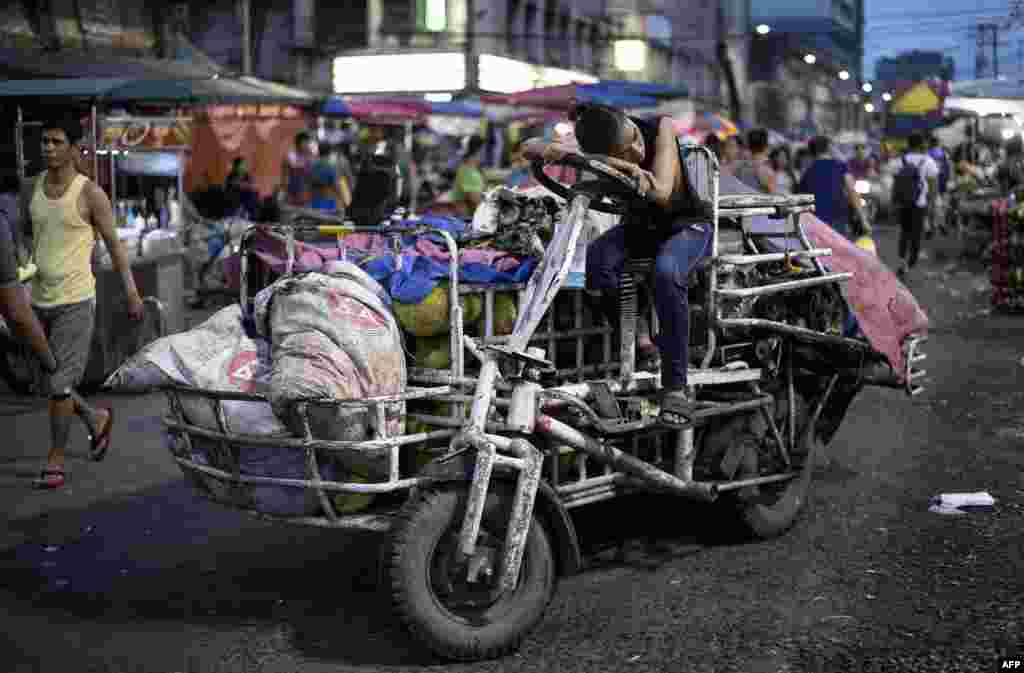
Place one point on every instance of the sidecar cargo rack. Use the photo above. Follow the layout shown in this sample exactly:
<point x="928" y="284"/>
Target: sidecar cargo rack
<point x="771" y="205"/>
<point x="216" y="460"/>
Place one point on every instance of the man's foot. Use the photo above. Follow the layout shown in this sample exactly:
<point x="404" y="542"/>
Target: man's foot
<point x="99" y="443"/>
<point x="648" y="358"/>
<point x="901" y="270"/>
<point x="676" y="409"/>
<point x="51" y="477"/>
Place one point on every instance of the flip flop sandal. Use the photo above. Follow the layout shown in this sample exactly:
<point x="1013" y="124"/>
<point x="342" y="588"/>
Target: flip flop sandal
<point x="50" y="478"/>
<point x="100" y="442"/>
<point x="678" y="404"/>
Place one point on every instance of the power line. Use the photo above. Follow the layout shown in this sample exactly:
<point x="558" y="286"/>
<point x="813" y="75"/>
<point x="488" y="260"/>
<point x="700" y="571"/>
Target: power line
<point x="902" y="13"/>
<point x="936" y="16"/>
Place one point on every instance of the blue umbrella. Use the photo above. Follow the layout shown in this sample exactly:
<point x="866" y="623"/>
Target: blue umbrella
<point x="336" y="106"/>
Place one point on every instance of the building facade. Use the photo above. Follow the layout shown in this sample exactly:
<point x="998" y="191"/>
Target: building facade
<point x="506" y="44"/>
<point x="804" y="65"/>
<point x="915" y="66"/>
<point x="519" y="44"/>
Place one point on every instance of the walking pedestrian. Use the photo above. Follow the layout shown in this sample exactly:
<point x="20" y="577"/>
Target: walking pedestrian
<point x="732" y="151"/>
<point x="331" y="179"/>
<point x="63" y="211"/>
<point x="757" y="171"/>
<point x="860" y="166"/>
<point x="786" y="178"/>
<point x="15" y="307"/>
<point x="467" y="193"/>
<point x="937" y="214"/>
<point x="297" y="168"/>
<point x="836" y="200"/>
<point x="913" y="191"/>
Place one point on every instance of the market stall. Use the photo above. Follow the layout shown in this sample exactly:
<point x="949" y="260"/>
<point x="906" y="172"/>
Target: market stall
<point x="131" y="154"/>
<point x="1007" y="268"/>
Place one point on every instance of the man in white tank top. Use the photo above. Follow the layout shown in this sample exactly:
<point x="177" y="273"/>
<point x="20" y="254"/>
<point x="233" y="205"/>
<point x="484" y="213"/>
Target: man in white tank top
<point x="63" y="211"/>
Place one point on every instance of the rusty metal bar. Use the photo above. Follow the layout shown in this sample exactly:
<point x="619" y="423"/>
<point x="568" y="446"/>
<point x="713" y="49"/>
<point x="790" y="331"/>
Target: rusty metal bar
<point x="743" y="201"/>
<point x="606" y="454"/>
<point x="375" y="523"/>
<point x="742" y="260"/>
<point x="522" y="510"/>
<point x="477" y="496"/>
<point x="365" y="403"/>
<point x="755" y="481"/>
<point x="366" y="448"/>
<point x="769" y="419"/>
<point x="785" y="286"/>
<point x="339" y="487"/>
<point x="313" y="468"/>
<point x="793" y="330"/>
<point x="591" y="483"/>
<point x="791" y="398"/>
<point x="685" y="454"/>
<point x="597" y="497"/>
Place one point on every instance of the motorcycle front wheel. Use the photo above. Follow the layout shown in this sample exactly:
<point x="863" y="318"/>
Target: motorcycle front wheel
<point x="455" y="618"/>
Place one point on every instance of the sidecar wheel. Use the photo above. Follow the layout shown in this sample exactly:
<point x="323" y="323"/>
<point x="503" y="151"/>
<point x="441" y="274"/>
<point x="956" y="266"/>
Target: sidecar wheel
<point x="452" y="617"/>
<point x="774" y="509"/>
<point x="769" y="510"/>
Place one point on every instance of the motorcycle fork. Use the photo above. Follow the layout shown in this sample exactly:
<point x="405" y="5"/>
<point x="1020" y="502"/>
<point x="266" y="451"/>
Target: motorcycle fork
<point x="518" y="454"/>
<point x="527" y="462"/>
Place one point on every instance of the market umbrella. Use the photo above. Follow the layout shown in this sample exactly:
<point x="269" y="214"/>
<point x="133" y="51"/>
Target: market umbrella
<point x="616" y="93"/>
<point x="711" y="121"/>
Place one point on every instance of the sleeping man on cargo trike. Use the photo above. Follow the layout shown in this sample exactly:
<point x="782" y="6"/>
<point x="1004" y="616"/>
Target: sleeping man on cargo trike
<point x="668" y="226"/>
<point x="675" y="219"/>
<point x="476" y="498"/>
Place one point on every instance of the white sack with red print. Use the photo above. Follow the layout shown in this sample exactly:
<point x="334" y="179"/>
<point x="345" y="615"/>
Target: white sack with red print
<point x="217" y="355"/>
<point x="333" y="337"/>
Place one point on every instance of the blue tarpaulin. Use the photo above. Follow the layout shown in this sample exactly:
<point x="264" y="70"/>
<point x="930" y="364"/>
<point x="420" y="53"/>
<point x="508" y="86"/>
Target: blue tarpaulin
<point x="418" y="275"/>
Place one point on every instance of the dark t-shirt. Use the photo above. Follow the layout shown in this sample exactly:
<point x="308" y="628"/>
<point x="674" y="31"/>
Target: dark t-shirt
<point x="649" y="224"/>
<point x="826" y="179"/>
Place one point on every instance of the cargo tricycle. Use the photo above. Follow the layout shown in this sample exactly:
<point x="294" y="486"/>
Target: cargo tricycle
<point x="521" y="428"/>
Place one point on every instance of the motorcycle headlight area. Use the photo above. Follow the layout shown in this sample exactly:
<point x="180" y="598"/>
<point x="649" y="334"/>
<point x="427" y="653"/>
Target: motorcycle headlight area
<point x="862" y="186"/>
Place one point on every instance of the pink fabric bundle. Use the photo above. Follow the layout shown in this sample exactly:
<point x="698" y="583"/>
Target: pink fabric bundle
<point x="885" y="308"/>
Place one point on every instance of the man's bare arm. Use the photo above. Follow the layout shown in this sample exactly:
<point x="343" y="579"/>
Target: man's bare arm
<point x="102" y="219"/>
<point x="17" y="312"/>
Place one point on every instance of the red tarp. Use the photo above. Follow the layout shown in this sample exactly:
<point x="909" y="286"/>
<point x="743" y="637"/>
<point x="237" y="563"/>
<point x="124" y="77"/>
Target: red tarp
<point x="261" y="134"/>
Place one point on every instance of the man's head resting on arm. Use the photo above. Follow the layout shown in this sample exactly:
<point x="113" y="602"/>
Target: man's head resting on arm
<point x="604" y="130"/>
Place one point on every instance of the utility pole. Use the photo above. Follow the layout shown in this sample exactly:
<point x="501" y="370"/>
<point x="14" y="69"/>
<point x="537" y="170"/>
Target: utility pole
<point x="982" y="41"/>
<point x="472" y="70"/>
<point x="995" y="49"/>
<point x="245" y="14"/>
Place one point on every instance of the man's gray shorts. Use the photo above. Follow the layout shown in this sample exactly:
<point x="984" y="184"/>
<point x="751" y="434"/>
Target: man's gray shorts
<point x="69" y="329"/>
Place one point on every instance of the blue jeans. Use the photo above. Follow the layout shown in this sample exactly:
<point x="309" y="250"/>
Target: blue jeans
<point x="674" y="259"/>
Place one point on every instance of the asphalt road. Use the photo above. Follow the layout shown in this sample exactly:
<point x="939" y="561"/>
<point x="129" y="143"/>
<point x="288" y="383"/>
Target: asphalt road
<point x="126" y="571"/>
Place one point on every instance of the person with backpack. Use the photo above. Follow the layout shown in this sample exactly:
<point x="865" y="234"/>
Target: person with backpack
<point x="914" y="188"/>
